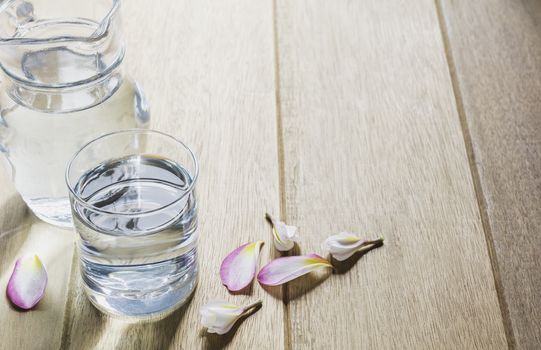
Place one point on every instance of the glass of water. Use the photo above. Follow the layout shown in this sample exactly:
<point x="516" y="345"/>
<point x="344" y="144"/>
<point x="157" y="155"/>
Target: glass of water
<point x="132" y="196"/>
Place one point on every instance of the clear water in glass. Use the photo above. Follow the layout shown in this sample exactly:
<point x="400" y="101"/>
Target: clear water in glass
<point x="137" y="224"/>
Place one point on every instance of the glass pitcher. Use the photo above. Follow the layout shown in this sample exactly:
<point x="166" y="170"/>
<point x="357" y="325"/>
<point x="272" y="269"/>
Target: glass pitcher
<point x="61" y="87"/>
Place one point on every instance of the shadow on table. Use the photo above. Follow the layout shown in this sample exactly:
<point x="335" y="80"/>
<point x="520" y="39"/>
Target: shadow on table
<point x="157" y="334"/>
<point x="13" y="215"/>
<point x="14" y="230"/>
<point x="276" y="292"/>
<point x="214" y="341"/>
<point x="341" y="267"/>
<point x="87" y="328"/>
<point x="83" y="323"/>
<point x="305" y="284"/>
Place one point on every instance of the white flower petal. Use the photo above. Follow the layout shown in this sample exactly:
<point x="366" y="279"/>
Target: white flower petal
<point x="219" y="316"/>
<point x="284" y="236"/>
<point x="343" y="245"/>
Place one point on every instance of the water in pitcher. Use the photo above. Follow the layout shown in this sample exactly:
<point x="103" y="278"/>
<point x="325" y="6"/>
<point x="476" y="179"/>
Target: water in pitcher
<point x="39" y="144"/>
<point x="62" y="86"/>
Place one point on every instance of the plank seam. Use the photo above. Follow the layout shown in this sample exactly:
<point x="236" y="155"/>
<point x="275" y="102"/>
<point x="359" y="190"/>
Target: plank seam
<point x="478" y="188"/>
<point x="65" y="335"/>
<point x="281" y="161"/>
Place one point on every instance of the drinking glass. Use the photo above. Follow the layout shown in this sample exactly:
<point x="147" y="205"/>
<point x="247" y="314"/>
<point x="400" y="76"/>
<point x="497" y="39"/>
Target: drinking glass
<point x="134" y="208"/>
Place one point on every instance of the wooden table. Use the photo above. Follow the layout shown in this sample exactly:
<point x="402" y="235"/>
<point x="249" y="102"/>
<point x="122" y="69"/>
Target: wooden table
<point x="418" y="121"/>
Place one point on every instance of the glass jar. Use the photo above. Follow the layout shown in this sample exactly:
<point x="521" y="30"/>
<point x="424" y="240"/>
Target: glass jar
<point x="62" y="86"/>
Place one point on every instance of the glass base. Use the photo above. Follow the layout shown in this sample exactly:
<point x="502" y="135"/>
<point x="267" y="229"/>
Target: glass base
<point x="54" y="211"/>
<point x="142" y="309"/>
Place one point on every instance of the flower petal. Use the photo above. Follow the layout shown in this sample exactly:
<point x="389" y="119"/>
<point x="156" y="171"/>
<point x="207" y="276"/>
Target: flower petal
<point x="343" y="245"/>
<point x="284" y="236"/>
<point x="287" y="268"/>
<point x="219" y="316"/>
<point x="240" y="266"/>
<point x="27" y="283"/>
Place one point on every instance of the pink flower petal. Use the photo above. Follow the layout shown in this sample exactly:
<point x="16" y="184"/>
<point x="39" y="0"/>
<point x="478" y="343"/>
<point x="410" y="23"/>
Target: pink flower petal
<point x="288" y="268"/>
<point x="27" y="283"/>
<point x="239" y="267"/>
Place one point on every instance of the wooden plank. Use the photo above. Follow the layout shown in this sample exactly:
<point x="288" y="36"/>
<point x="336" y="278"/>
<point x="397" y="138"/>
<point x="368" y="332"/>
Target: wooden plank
<point x="373" y="144"/>
<point x="495" y="49"/>
<point x="208" y="70"/>
<point x="21" y="233"/>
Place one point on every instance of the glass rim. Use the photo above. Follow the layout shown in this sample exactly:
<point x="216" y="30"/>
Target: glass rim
<point x="85" y="204"/>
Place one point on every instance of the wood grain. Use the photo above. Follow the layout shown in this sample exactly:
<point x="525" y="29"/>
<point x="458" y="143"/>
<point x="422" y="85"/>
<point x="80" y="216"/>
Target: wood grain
<point x="21" y="233"/>
<point x="371" y="135"/>
<point x="208" y="70"/>
<point x="373" y="144"/>
<point x="495" y="50"/>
